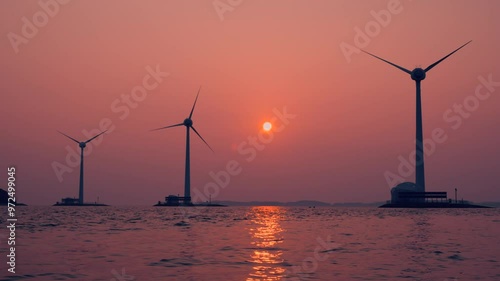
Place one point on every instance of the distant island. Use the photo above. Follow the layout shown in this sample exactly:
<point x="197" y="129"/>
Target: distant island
<point x="314" y="203"/>
<point x="301" y="203"/>
<point x="4" y="198"/>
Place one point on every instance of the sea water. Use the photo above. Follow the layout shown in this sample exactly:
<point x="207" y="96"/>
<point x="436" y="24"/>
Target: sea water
<point x="253" y="243"/>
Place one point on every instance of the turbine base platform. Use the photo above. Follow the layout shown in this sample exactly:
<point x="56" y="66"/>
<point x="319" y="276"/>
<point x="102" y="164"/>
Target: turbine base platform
<point x="441" y="205"/>
<point x="163" y="204"/>
<point x="81" y="205"/>
<point x="178" y="201"/>
<point x="75" y="202"/>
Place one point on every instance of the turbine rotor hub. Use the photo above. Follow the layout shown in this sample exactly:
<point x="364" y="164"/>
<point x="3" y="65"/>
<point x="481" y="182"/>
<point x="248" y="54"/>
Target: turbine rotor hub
<point x="418" y="74"/>
<point x="82" y="145"/>
<point x="188" y="122"/>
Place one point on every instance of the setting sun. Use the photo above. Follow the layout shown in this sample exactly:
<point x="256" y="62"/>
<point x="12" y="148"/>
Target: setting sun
<point x="267" y="126"/>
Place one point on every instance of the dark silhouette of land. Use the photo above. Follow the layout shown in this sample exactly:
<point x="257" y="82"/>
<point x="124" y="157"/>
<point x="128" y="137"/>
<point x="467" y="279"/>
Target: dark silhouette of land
<point x="4" y="198"/>
<point x="301" y="203"/>
<point x="314" y="203"/>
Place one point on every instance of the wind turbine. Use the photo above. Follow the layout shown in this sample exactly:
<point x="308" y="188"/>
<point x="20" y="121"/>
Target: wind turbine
<point x="82" y="145"/>
<point x="188" y="122"/>
<point x="418" y="74"/>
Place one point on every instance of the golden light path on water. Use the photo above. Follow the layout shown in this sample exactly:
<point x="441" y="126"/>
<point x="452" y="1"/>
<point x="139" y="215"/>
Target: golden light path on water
<point x="267" y="235"/>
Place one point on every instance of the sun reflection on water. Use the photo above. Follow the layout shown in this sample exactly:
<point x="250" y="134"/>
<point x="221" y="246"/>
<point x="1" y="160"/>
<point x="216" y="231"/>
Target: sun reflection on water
<point x="267" y="235"/>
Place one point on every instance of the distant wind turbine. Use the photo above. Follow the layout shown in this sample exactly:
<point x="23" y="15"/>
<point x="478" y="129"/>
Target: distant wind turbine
<point x="188" y="122"/>
<point x="82" y="145"/>
<point x="419" y="74"/>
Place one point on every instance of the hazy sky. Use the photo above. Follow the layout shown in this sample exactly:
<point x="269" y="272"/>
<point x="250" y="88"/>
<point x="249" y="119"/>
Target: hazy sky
<point x="76" y="66"/>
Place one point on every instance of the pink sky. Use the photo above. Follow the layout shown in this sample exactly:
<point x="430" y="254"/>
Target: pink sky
<point x="354" y="115"/>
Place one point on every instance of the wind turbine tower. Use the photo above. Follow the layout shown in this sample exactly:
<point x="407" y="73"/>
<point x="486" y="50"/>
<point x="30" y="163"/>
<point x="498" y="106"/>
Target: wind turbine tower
<point x="188" y="123"/>
<point x="418" y="74"/>
<point x="82" y="145"/>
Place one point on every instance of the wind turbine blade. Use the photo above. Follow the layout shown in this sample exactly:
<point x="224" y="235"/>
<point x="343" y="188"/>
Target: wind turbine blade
<point x="395" y="65"/>
<point x="176" y="125"/>
<point x="191" y="114"/>
<point x="201" y="138"/>
<point x="69" y="137"/>
<point x="95" y="136"/>
<point x="436" y="63"/>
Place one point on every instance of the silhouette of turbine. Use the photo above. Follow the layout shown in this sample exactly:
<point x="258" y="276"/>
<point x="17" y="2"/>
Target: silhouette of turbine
<point x="82" y="145"/>
<point x="418" y="74"/>
<point x="188" y="122"/>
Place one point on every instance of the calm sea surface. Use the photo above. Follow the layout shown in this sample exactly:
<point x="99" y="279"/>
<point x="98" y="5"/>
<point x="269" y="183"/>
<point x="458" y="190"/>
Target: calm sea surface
<point x="253" y="243"/>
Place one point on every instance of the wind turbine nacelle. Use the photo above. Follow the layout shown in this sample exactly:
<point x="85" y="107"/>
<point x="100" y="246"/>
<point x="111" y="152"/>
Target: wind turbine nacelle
<point x="82" y="144"/>
<point x="188" y="122"/>
<point x="418" y="74"/>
